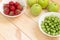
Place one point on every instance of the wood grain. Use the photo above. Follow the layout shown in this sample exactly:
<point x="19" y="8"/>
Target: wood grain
<point x="27" y="23"/>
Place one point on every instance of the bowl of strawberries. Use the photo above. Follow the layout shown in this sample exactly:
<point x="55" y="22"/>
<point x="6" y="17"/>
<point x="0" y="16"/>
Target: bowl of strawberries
<point x="12" y="8"/>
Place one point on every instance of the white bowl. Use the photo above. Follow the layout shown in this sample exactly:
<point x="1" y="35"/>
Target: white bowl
<point x="22" y="2"/>
<point x="42" y="17"/>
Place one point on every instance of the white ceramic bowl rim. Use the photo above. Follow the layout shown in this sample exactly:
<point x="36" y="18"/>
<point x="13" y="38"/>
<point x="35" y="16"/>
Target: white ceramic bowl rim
<point x="22" y="2"/>
<point x="42" y="17"/>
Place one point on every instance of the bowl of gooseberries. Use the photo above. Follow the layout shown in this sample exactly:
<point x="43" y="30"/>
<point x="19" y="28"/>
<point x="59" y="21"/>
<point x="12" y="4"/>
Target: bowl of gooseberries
<point x="11" y="8"/>
<point x="49" y="24"/>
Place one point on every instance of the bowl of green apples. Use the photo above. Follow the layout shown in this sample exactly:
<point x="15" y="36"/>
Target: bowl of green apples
<point x="49" y="24"/>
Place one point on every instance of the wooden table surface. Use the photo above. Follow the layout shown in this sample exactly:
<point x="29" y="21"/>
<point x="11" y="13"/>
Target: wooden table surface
<point x="24" y="27"/>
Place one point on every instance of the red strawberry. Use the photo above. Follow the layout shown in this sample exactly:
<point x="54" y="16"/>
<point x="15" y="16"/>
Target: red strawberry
<point x="6" y="6"/>
<point x="6" y="11"/>
<point x="17" y="12"/>
<point x="11" y="13"/>
<point x="20" y="8"/>
<point x="11" y="3"/>
<point x="12" y="8"/>
<point x="16" y="4"/>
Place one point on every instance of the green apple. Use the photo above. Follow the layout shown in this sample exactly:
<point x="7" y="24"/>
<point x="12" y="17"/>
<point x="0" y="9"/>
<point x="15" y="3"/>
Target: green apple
<point x="43" y="3"/>
<point x="31" y="2"/>
<point x="36" y="9"/>
<point x="53" y="7"/>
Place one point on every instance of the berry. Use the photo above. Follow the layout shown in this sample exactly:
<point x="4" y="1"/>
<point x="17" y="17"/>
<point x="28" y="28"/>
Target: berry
<point x="11" y="13"/>
<point x="6" y="11"/>
<point x="17" y="4"/>
<point x="17" y="12"/>
<point x="12" y="8"/>
<point x="6" y="6"/>
<point x="11" y="3"/>
<point x="20" y="8"/>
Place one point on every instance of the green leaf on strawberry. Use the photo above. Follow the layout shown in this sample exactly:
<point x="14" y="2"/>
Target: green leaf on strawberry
<point x="11" y="13"/>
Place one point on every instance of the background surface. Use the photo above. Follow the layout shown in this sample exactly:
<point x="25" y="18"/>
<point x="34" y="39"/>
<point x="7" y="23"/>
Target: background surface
<point x="24" y="27"/>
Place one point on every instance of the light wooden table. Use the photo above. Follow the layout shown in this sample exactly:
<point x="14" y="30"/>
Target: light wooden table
<point x="24" y="27"/>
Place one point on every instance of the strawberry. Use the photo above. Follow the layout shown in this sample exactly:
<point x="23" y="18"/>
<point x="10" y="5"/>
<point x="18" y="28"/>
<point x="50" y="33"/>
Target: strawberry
<point x="12" y="8"/>
<point x="6" y="11"/>
<point x="16" y="4"/>
<point x="6" y="6"/>
<point x="11" y="3"/>
<point x="11" y="13"/>
<point x="17" y="12"/>
<point x="20" y="8"/>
